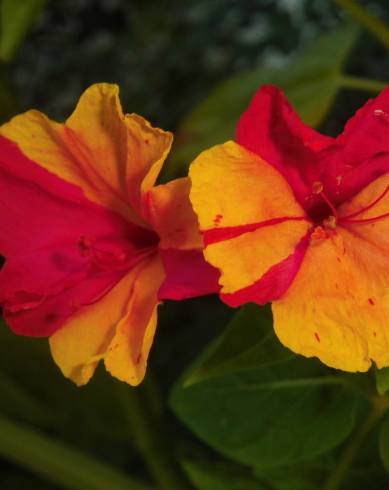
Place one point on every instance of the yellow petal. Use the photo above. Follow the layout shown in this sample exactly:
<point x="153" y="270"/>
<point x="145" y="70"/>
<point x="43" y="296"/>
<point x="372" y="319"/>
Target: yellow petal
<point x="245" y="259"/>
<point x="172" y="216"/>
<point x="98" y="148"/>
<point x="338" y="305"/>
<point x="232" y="187"/>
<point x="147" y="149"/>
<point x="83" y="340"/>
<point x="127" y="354"/>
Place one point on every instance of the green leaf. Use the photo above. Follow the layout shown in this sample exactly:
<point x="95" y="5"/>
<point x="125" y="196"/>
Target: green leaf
<point x="59" y="463"/>
<point x="279" y="410"/>
<point x="382" y="380"/>
<point x="248" y="342"/>
<point x="311" y="83"/>
<point x="220" y="476"/>
<point x="16" y="18"/>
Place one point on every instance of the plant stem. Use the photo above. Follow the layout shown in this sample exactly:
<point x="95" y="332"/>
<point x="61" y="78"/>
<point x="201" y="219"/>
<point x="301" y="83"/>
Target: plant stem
<point x="151" y="437"/>
<point x="367" y="20"/>
<point x="365" y="84"/>
<point x="380" y="405"/>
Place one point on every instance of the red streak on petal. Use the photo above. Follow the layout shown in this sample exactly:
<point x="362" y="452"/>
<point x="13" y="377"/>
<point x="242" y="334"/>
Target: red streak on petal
<point x="371" y="301"/>
<point x="216" y="235"/>
<point x="274" y="283"/>
<point x="317" y="337"/>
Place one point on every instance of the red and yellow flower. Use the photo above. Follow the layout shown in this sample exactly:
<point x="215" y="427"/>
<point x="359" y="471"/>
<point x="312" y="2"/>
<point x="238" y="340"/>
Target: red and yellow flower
<point x="299" y="219"/>
<point x="91" y="244"/>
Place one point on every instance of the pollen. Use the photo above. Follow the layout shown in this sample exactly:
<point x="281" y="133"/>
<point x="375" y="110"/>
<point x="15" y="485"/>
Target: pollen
<point x="318" y="233"/>
<point x="330" y="222"/>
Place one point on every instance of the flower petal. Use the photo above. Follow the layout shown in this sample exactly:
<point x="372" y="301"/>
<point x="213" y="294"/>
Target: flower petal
<point x="272" y="129"/>
<point x="127" y="354"/>
<point x="273" y="284"/>
<point x="172" y="217"/>
<point x="338" y="305"/>
<point x="98" y="149"/>
<point x="42" y="221"/>
<point x="187" y="275"/>
<point x="83" y="340"/>
<point x="241" y="203"/>
<point x="147" y="149"/>
<point x="361" y="153"/>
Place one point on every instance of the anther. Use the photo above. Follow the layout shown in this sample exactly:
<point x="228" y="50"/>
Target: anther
<point x="318" y="233"/>
<point x="330" y="222"/>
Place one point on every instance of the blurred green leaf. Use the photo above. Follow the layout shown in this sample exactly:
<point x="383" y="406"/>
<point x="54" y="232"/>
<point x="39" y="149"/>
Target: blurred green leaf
<point x="382" y="380"/>
<point x="8" y="103"/>
<point x="16" y="18"/>
<point x="31" y="373"/>
<point x="220" y="476"/>
<point x="16" y="401"/>
<point x="366" y="19"/>
<point x="282" y="410"/>
<point x="59" y="463"/>
<point x="311" y="83"/>
<point x="306" y="476"/>
<point x="384" y="442"/>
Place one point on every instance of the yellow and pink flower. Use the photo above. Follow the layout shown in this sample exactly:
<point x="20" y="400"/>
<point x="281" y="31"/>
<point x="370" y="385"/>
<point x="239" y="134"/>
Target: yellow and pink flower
<point x="299" y="219"/>
<point x="92" y="246"/>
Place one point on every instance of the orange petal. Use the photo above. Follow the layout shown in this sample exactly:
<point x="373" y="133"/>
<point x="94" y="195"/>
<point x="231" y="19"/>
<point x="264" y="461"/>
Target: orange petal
<point x="147" y="149"/>
<point x="98" y="148"/>
<point x="338" y="305"/>
<point x="127" y="354"/>
<point x="172" y="216"/>
<point x="232" y="187"/>
<point x="83" y="340"/>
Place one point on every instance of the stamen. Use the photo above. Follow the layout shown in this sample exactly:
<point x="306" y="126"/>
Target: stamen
<point x="317" y="188"/>
<point x="330" y="222"/>
<point x="369" y="206"/>
<point x="366" y="220"/>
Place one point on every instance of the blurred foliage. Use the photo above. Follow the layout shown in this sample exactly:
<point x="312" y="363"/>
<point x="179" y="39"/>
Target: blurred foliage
<point x="16" y="18"/>
<point x="311" y="83"/>
<point x="255" y="417"/>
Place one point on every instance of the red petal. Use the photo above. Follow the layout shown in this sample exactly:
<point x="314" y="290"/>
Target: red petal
<point x="361" y="153"/>
<point x="187" y="275"/>
<point x="42" y="219"/>
<point x="271" y="128"/>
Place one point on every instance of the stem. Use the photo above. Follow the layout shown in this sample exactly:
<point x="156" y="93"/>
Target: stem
<point x="151" y="437"/>
<point x="64" y="465"/>
<point x="367" y="20"/>
<point x="365" y="84"/>
<point x="380" y="405"/>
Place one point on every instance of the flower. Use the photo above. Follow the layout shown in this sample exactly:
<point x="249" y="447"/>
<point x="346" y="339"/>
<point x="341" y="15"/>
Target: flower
<point x="301" y="219"/>
<point x="91" y="245"/>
